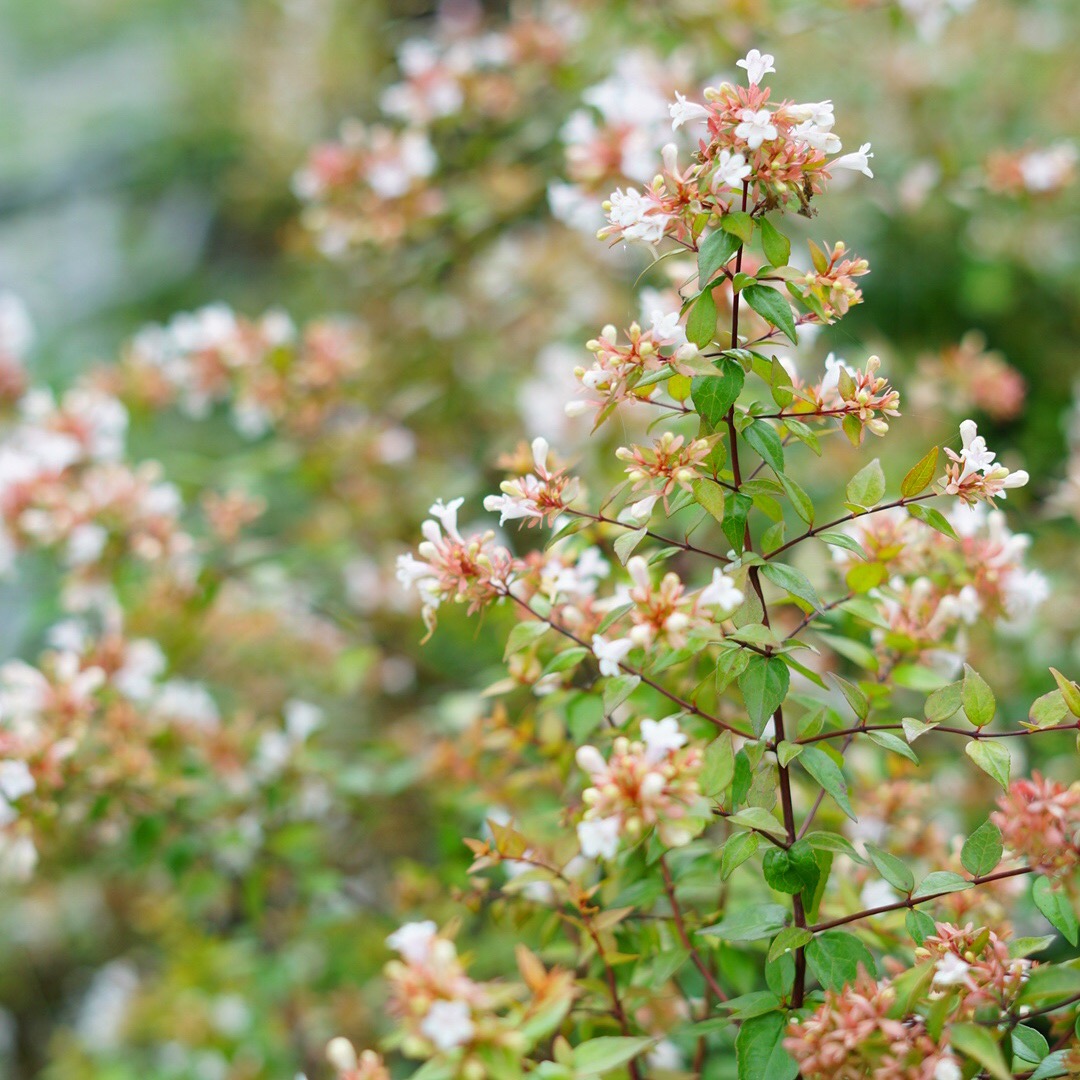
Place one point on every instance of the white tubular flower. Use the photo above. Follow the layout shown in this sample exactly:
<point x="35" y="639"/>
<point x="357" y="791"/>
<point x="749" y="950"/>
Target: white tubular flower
<point x="817" y="137"/>
<point x="757" y="65"/>
<point x="948" y="1069"/>
<point x="756" y="127"/>
<point x="818" y="113"/>
<point x="975" y="454"/>
<point x="858" y="161"/>
<point x="661" y="737"/>
<point x="633" y="214"/>
<point x="721" y="593"/>
<point x="599" y="837"/>
<point x="730" y="171"/>
<point x="667" y="330"/>
<point x="448" y="1024"/>
<point x="413" y="940"/>
<point x="610" y="654"/>
<point x="950" y="970"/>
<point x="447" y="515"/>
<point x="683" y="111"/>
<point x="15" y="780"/>
<point x="642" y="510"/>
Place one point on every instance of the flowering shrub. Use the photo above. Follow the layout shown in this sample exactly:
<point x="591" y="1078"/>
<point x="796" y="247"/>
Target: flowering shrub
<point x="229" y="766"/>
<point x="703" y="864"/>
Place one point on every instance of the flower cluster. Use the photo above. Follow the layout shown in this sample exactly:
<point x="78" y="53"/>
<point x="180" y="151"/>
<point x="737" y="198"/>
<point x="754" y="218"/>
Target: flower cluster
<point x="670" y="463"/>
<point x="474" y="571"/>
<point x="643" y="783"/>
<point x="536" y="497"/>
<point x="268" y="372"/>
<point x="974" y="964"/>
<point x="771" y="155"/>
<point x="853" y="1034"/>
<point x="618" y="369"/>
<point x="64" y="486"/>
<point x="972" y="475"/>
<point x="1039" y="820"/>
<point x="832" y="281"/>
<point x="969" y="376"/>
<point x="859" y="401"/>
<point x="1042" y="172"/>
<point x="613" y="138"/>
<point x="444" y="1013"/>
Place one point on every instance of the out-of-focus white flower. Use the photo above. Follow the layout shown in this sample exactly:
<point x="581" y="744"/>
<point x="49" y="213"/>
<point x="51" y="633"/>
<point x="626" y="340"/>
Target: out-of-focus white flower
<point x="661" y="737"/>
<point x="610" y="654"/>
<point x="448" y="1024"/>
<point x="721" y="593"/>
<point x="413" y="940"/>
<point x="599" y="837"/>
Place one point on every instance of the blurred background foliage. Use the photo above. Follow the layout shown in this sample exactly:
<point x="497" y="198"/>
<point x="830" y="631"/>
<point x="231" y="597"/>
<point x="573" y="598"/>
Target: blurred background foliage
<point x="147" y="149"/>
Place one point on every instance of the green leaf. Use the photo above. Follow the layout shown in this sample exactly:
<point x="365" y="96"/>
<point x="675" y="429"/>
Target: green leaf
<point x="624" y="545"/>
<point x="736" y="851"/>
<point x="718" y="769"/>
<point x="618" y="689"/>
<point x="710" y="496"/>
<point x="738" y="223"/>
<point x="764" y="685"/>
<point x="929" y="516"/>
<point x="804" y="506"/>
<point x="941" y="881"/>
<point x="827" y="773"/>
<point x="1028" y="1045"/>
<point x="1052" y="1066"/>
<point x="919" y="478"/>
<point x="992" y="757"/>
<point x="713" y="395"/>
<point x="717" y="249"/>
<point x="757" y="817"/>
<point x="759" y="1049"/>
<point x="919" y="925"/>
<point x="788" y="940"/>
<point x="976" y="1042"/>
<point x="776" y="245"/>
<point x="892" y="869"/>
<point x="523" y="635"/>
<point x="599" y="1056"/>
<point x="772" y="307"/>
<point x="977" y="697"/>
<point x="787" y="752"/>
<point x="943" y="703"/>
<point x="701" y="322"/>
<point x="863" y="577"/>
<point x="1070" y="692"/>
<point x="792" y="870"/>
<point x="737" y="508"/>
<point x="1048" y="710"/>
<point x="764" y="439"/>
<point x="982" y="850"/>
<point x="835" y="958"/>
<point x="867" y="486"/>
<point x="749" y="923"/>
<point x="793" y="581"/>
<point x="859" y="702"/>
<point x="889" y="741"/>
<point x="1055" y="905"/>
<point x="842" y="540"/>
